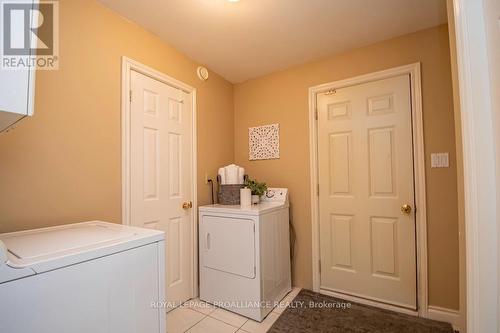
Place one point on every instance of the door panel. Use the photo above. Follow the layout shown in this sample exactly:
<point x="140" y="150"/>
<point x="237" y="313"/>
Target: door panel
<point x="341" y="236"/>
<point x="381" y="161"/>
<point x="340" y="166"/>
<point x="161" y="151"/>
<point x="229" y="245"/>
<point x="365" y="176"/>
<point x="384" y="246"/>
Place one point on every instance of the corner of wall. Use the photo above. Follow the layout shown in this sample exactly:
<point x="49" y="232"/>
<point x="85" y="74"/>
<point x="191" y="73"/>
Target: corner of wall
<point x="460" y="170"/>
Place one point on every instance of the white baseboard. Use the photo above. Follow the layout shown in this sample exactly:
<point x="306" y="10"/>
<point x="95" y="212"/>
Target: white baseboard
<point x="446" y="315"/>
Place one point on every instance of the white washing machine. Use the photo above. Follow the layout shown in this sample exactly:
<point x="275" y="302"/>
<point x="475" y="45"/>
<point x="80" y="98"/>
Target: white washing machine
<point x="86" y="277"/>
<point x="245" y="255"/>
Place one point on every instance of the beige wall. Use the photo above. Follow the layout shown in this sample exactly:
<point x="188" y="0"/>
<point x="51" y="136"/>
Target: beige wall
<point x="283" y="98"/>
<point x="64" y="164"/>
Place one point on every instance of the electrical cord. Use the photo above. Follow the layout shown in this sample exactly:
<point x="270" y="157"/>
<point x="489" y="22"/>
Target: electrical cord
<point x="212" y="189"/>
<point x="292" y="241"/>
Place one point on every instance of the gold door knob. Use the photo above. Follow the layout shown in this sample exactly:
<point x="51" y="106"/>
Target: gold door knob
<point x="187" y="205"/>
<point x="406" y="209"/>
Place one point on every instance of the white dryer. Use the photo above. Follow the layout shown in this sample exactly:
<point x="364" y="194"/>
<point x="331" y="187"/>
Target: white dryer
<point x="245" y="255"/>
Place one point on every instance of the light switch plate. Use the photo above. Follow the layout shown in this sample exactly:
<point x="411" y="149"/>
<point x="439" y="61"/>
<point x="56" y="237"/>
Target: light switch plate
<point x="440" y="160"/>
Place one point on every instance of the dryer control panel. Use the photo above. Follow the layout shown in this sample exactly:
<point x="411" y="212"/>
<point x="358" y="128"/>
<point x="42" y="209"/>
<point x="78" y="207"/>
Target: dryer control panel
<point x="275" y="194"/>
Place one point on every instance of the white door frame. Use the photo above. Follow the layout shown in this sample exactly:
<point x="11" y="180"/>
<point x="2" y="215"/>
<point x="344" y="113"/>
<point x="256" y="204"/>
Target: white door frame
<point x="127" y="66"/>
<point x="419" y="168"/>
<point x="478" y="142"/>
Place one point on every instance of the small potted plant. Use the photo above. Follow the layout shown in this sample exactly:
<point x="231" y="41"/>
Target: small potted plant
<point x="258" y="189"/>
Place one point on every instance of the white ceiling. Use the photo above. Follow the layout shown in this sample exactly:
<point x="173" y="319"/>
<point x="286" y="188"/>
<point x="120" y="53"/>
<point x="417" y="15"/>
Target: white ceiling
<point x="251" y="38"/>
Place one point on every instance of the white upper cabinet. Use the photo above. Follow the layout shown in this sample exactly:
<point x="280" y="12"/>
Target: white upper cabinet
<point x="16" y="96"/>
<point x="16" y="84"/>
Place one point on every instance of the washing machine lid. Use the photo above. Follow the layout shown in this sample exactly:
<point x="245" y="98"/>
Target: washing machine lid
<point x="46" y="249"/>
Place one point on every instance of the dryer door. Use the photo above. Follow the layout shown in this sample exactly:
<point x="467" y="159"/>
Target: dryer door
<point x="228" y="245"/>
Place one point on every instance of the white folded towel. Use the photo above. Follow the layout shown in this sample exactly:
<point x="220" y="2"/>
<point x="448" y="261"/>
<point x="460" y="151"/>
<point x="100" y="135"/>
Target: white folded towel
<point x="222" y="174"/>
<point x="232" y="174"/>
<point x="241" y="175"/>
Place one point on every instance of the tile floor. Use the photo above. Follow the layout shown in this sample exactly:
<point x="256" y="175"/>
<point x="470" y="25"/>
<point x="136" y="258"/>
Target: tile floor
<point x="196" y="316"/>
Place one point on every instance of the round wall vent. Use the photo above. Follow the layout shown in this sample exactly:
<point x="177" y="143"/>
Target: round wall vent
<point x="202" y="73"/>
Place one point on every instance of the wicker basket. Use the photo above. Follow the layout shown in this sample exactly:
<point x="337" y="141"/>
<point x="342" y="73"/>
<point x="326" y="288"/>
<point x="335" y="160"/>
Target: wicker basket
<point x="229" y="194"/>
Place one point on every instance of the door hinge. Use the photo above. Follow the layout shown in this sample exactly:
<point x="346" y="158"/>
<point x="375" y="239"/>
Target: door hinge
<point x="254" y="270"/>
<point x="254" y="228"/>
<point x="316" y="113"/>
<point x="130" y="96"/>
<point x="317" y="190"/>
<point x="319" y="265"/>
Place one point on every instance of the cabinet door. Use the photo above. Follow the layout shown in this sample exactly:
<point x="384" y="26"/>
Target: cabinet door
<point x="228" y="245"/>
<point x="16" y="85"/>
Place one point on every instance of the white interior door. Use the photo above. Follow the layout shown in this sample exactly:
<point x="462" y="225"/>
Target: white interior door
<point x="365" y="176"/>
<point x="160" y="172"/>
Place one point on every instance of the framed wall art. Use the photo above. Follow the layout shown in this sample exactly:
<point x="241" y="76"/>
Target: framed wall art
<point x="264" y="142"/>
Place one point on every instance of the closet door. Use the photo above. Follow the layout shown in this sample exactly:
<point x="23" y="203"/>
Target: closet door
<point x="367" y="215"/>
